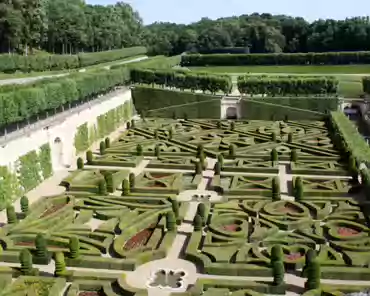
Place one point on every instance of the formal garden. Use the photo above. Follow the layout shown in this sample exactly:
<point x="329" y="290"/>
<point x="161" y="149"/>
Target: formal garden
<point x="274" y="207"/>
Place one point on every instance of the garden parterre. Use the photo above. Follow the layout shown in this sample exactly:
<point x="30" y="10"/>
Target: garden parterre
<point x="283" y="183"/>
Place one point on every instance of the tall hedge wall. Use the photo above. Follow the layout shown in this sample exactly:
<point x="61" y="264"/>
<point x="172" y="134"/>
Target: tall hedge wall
<point x="10" y="187"/>
<point x="292" y="108"/>
<point x="153" y="102"/>
<point x="19" y="104"/>
<point x="366" y="84"/>
<point x="281" y="86"/>
<point x="13" y="63"/>
<point x="183" y="80"/>
<point x="311" y="58"/>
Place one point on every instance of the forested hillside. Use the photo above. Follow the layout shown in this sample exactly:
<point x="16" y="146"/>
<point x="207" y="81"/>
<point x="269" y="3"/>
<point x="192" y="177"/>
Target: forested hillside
<point x="71" y="26"/>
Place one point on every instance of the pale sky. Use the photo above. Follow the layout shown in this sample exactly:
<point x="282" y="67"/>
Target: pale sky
<point x="187" y="11"/>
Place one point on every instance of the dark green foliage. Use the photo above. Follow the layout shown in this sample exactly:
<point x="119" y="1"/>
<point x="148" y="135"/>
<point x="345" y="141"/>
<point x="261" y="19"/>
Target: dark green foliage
<point x="217" y="169"/>
<point x="294" y="155"/>
<point x="198" y="168"/>
<point x="232" y="150"/>
<point x="290" y="137"/>
<point x="198" y="223"/>
<point x="29" y="170"/>
<point x="157" y="150"/>
<point x="310" y="256"/>
<point x="353" y="169"/>
<point x="313" y="273"/>
<point x="25" y="258"/>
<point x="102" y="187"/>
<point x="156" y="134"/>
<point x="276" y="253"/>
<point x="139" y="150"/>
<point x="80" y="163"/>
<point x="125" y="187"/>
<point x="132" y="123"/>
<point x="60" y="264"/>
<point x="102" y="147"/>
<point x="175" y="207"/>
<point x="11" y="215"/>
<point x="89" y="157"/>
<point x="41" y="246"/>
<point x="45" y="161"/>
<point x="107" y="142"/>
<point x="219" y="124"/>
<point x="24" y="204"/>
<point x="298" y="189"/>
<point x="220" y="160"/>
<point x="174" y="116"/>
<point x="202" y="160"/>
<point x="74" y="247"/>
<point x="366" y="84"/>
<point x="274" y="156"/>
<point x="273" y="136"/>
<point x="232" y="125"/>
<point x="278" y="272"/>
<point x="81" y="140"/>
<point x="201" y="211"/>
<point x="170" y="133"/>
<point x="185" y="116"/>
<point x="163" y="102"/>
<point x="132" y="180"/>
<point x="128" y="125"/>
<point x="200" y="150"/>
<point x="276" y="189"/>
<point x="109" y="181"/>
<point x="170" y="221"/>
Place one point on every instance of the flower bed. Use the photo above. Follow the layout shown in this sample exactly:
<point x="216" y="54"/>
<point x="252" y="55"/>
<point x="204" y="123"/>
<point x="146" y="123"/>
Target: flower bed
<point x="288" y="210"/>
<point x="293" y="256"/>
<point x="231" y="227"/>
<point x="89" y="293"/>
<point x="139" y="239"/>
<point x="52" y="210"/>
<point x="344" y="231"/>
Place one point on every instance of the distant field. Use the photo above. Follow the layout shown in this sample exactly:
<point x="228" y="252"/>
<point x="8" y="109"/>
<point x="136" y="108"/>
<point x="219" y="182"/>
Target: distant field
<point x="349" y="76"/>
<point x="340" y="69"/>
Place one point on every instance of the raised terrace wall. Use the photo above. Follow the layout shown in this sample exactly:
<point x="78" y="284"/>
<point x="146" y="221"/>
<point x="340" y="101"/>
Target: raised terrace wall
<point x="60" y="136"/>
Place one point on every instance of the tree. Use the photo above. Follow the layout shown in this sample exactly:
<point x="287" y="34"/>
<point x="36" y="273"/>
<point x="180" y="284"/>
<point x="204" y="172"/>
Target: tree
<point x="217" y="169"/>
<point x="89" y="157"/>
<point x="170" y="133"/>
<point x="309" y="257"/>
<point x="102" y="148"/>
<point x="41" y="246"/>
<point x="170" y="221"/>
<point x="200" y="150"/>
<point x="25" y="258"/>
<point x="80" y="163"/>
<point x="273" y="136"/>
<point x="219" y="124"/>
<point x="125" y="187"/>
<point x="276" y="253"/>
<point x="139" y="150"/>
<point x="198" y="223"/>
<point x="274" y="156"/>
<point x="128" y="125"/>
<point x="156" y="134"/>
<point x="107" y="142"/>
<point x="313" y="272"/>
<point x="220" y="160"/>
<point x="276" y="195"/>
<point x="60" y="264"/>
<point x="232" y="150"/>
<point x="11" y="215"/>
<point x="294" y="155"/>
<point x="232" y="125"/>
<point x="131" y="179"/>
<point x="353" y="169"/>
<point x="290" y="137"/>
<point x="278" y="272"/>
<point x="298" y="188"/>
<point x="157" y="150"/>
<point x="24" y="204"/>
<point x="109" y="182"/>
<point x="198" y="168"/>
<point x="175" y="207"/>
<point x="102" y="187"/>
<point x="201" y="211"/>
<point x="132" y="123"/>
<point x="74" y="247"/>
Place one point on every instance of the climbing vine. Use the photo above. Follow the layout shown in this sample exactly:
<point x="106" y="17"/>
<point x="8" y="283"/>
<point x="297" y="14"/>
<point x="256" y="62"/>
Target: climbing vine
<point x="29" y="170"/>
<point x="45" y="161"/>
<point x="10" y="188"/>
<point x="81" y="140"/>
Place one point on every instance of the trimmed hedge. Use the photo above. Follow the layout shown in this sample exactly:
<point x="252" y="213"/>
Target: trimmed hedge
<point x="183" y="80"/>
<point x="9" y="187"/>
<point x="29" y="170"/>
<point x="164" y="103"/>
<point x="287" y="85"/>
<point x="291" y="108"/>
<point x="81" y="140"/>
<point x="13" y="63"/>
<point x="366" y="84"/>
<point x="311" y="58"/>
<point x="45" y="161"/>
<point x="158" y="62"/>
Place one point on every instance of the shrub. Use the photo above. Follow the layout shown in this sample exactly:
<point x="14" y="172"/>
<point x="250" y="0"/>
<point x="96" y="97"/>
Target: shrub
<point x="278" y="272"/>
<point x="102" y="147"/>
<point x="102" y="187"/>
<point x="273" y="136"/>
<point x="219" y="124"/>
<point x="170" y="133"/>
<point x="198" y="168"/>
<point x="276" y="253"/>
<point x="217" y="169"/>
<point x="24" y="204"/>
<point x="132" y="123"/>
<point x="170" y="221"/>
<point x="290" y="137"/>
<point x="294" y="155"/>
<point x="202" y="160"/>
<point x="156" y="135"/>
<point x="201" y="211"/>
<point x="232" y="150"/>
<point x="11" y="215"/>
<point x="89" y="156"/>
<point x="353" y="169"/>
<point x="157" y="150"/>
<point x="232" y="125"/>
<point x="313" y="275"/>
<point x="125" y="187"/>
<point x="298" y="188"/>
<point x="220" y="160"/>
<point x="276" y="189"/>
<point x="174" y="116"/>
<point x="41" y="246"/>
<point x="139" y="150"/>
<point x="109" y="181"/>
<point x="197" y="223"/>
<point x="80" y="163"/>
<point x="274" y="156"/>
<point x="25" y="258"/>
<point x="131" y="179"/>
<point x="74" y="247"/>
<point x="200" y="150"/>
<point x="310" y="256"/>
<point x="107" y="142"/>
<point x="128" y="125"/>
<point x="175" y="207"/>
<point x="60" y="264"/>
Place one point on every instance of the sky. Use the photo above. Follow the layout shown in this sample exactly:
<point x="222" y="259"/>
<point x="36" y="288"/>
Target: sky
<point x="187" y="11"/>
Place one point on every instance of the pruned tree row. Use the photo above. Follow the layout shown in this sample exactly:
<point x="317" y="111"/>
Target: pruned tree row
<point x="24" y="103"/>
<point x="13" y="62"/>
<point x="183" y="80"/>
<point x="311" y="58"/>
<point x="281" y="86"/>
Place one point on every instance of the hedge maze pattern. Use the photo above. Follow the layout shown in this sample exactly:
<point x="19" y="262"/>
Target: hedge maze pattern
<point x="109" y="220"/>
